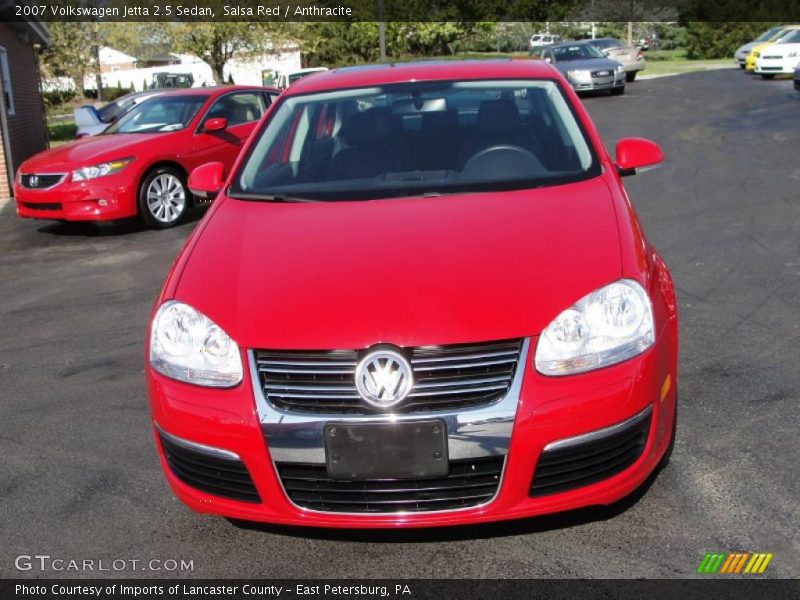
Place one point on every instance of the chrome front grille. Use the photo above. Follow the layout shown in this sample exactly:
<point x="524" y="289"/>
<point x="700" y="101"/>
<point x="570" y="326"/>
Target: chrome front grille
<point x="445" y="378"/>
<point x="41" y="181"/>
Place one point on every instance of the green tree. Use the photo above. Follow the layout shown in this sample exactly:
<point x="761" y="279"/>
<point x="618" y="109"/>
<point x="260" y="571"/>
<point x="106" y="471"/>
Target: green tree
<point x="218" y="42"/>
<point x="720" y="40"/>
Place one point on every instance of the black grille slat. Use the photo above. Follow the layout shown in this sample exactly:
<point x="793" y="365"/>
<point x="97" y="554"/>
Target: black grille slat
<point x="228" y="478"/>
<point x="588" y="462"/>
<point x="469" y="483"/>
<point x="445" y="377"/>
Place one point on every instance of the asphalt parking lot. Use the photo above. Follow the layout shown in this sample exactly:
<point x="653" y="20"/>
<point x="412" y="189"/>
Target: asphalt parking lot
<point x="79" y="476"/>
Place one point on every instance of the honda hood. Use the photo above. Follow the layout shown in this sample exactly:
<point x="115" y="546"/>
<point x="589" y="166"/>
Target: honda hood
<point x="89" y="151"/>
<point x="413" y="271"/>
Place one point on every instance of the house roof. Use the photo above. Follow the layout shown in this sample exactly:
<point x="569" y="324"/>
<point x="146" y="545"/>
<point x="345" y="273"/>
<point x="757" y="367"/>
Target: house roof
<point x="28" y="25"/>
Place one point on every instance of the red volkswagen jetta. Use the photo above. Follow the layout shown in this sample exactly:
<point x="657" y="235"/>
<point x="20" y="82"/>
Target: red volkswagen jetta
<point x="139" y="165"/>
<point x="421" y="298"/>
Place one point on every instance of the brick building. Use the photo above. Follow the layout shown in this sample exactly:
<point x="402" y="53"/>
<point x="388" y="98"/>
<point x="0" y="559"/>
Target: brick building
<point x="23" y="128"/>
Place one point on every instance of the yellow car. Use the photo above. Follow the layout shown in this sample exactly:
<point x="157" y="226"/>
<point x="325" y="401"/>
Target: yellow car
<point x="750" y="62"/>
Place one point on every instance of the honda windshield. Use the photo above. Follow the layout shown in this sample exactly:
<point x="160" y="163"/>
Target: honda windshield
<point x="414" y="139"/>
<point x="159" y="114"/>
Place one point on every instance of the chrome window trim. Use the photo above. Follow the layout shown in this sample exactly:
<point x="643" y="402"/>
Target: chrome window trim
<point x="196" y="447"/>
<point x="599" y="433"/>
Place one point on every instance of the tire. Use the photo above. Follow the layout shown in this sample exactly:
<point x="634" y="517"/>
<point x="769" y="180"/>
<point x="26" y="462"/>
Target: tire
<point x="163" y="198"/>
<point x="741" y="66"/>
<point x="767" y="76"/>
<point x="630" y="76"/>
<point x="618" y="91"/>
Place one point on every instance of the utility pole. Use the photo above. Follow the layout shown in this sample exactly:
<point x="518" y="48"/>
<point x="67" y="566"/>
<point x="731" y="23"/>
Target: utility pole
<point x="381" y="29"/>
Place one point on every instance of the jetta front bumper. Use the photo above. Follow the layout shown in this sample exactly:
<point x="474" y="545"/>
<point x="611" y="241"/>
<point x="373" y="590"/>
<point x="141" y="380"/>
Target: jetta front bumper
<point x="539" y="424"/>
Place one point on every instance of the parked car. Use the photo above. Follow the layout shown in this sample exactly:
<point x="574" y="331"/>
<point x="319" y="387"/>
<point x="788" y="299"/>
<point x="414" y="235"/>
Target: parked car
<point x="631" y="59"/>
<point x="780" y="58"/>
<point x="287" y="79"/>
<point x="408" y="263"/>
<point x="586" y="68"/>
<point x="755" y="52"/>
<point x="91" y="121"/>
<point x="139" y="164"/>
<point x="740" y="56"/>
<point x="543" y="39"/>
<point x="169" y="81"/>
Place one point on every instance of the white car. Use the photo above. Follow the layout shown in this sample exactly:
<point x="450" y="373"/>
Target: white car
<point x="781" y="58"/>
<point x="287" y="79"/>
<point x="92" y="121"/>
<point x="543" y="39"/>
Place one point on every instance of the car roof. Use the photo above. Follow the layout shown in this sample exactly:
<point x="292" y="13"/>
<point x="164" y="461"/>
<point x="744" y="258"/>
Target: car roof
<point x="432" y="70"/>
<point x="574" y="43"/>
<point x="213" y="90"/>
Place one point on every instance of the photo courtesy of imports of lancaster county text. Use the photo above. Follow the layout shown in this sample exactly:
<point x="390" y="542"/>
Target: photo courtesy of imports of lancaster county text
<point x="399" y="299"/>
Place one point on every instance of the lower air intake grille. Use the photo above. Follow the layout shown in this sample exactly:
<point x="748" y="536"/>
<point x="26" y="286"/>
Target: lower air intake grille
<point x="41" y="205"/>
<point x="218" y="476"/>
<point x="470" y="483"/>
<point x="598" y="457"/>
<point x="445" y="377"/>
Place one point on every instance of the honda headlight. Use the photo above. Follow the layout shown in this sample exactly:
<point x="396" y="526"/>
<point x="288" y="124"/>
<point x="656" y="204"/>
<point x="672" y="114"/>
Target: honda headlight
<point x="608" y="326"/>
<point x="101" y="170"/>
<point x="579" y="76"/>
<point x="188" y="346"/>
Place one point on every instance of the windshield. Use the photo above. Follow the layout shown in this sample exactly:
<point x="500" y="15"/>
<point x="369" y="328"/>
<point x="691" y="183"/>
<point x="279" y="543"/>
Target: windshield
<point x="791" y="38"/>
<point x="768" y="34"/>
<point x="414" y="139"/>
<point x="160" y="114"/>
<point x="576" y="52"/>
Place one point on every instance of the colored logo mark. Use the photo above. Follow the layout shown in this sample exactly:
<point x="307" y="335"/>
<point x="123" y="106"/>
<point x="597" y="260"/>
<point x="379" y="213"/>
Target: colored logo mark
<point x="735" y="562"/>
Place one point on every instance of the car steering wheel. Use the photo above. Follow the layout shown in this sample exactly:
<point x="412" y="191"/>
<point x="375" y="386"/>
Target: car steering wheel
<point x="501" y="162"/>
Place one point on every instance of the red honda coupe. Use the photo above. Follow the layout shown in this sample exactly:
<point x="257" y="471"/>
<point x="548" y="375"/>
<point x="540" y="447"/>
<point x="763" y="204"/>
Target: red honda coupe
<point x="139" y="164"/>
<point x="422" y="297"/>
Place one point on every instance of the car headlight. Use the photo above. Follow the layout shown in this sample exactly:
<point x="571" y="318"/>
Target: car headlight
<point x="608" y="326"/>
<point x="579" y="76"/>
<point x="188" y="346"/>
<point x="101" y="170"/>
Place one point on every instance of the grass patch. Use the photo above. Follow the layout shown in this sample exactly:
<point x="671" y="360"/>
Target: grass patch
<point x="60" y="131"/>
<point x="670" y="67"/>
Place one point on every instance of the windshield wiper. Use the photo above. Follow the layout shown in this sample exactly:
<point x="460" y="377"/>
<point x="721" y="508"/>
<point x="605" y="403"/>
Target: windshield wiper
<point x="270" y="197"/>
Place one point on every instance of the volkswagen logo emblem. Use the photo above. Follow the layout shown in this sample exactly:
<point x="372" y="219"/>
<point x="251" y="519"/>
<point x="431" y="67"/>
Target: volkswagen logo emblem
<point x="384" y="378"/>
<point x="33" y="181"/>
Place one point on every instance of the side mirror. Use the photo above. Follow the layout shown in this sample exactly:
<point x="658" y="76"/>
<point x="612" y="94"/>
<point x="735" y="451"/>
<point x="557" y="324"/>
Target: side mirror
<point x="215" y="124"/>
<point x="637" y="154"/>
<point x="206" y="180"/>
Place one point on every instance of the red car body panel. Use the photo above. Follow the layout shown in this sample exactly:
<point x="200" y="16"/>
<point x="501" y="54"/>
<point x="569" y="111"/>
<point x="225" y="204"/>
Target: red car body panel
<point x="484" y="266"/>
<point x="186" y="148"/>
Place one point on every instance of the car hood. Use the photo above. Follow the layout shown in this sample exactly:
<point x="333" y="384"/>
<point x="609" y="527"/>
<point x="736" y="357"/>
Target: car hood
<point x="413" y="271"/>
<point x="746" y="47"/>
<point x="87" y="151"/>
<point x="591" y="64"/>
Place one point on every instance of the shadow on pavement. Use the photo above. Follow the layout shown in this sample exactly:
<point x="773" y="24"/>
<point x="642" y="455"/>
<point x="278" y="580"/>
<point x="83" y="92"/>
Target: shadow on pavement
<point x="516" y="527"/>
<point x="108" y="228"/>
